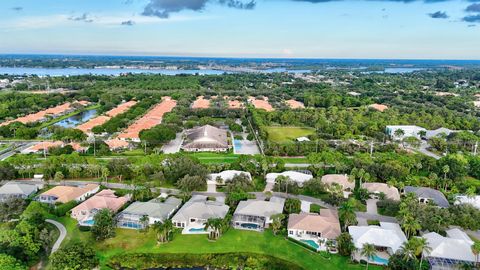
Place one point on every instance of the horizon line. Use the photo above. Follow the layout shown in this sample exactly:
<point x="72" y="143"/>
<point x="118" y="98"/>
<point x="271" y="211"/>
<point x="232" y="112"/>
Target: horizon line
<point x="232" y="57"/>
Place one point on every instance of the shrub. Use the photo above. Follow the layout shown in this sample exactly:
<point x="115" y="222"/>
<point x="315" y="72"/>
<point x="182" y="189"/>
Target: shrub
<point x="388" y="207"/>
<point x="240" y="260"/>
<point x="61" y="210"/>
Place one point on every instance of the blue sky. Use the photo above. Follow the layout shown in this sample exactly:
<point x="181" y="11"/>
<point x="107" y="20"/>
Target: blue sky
<point x="425" y="29"/>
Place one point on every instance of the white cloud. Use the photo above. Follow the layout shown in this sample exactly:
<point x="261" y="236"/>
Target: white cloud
<point x="64" y="20"/>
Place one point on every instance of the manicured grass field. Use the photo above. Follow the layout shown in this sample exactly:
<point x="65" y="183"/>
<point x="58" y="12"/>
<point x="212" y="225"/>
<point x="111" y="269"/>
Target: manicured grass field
<point x="287" y="134"/>
<point x="232" y="241"/>
<point x="214" y="158"/>
<point x="129" y="241"/>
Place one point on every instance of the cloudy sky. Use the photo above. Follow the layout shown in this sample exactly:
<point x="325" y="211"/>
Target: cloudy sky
<point x="428" y="29"/>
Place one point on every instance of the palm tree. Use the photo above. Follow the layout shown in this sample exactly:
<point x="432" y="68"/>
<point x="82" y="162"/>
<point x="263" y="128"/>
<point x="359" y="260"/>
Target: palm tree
<point x="410" y="226"/>
<point x="423" y="248"/>
<point x="216" y="225"/>
<point x="368" y="251"/>
<point x="163" y="230"/>
<point x="346" y="212"/>
<point x="144" y="221"/>
<point x="277" y="222"/>
<point x="445" y="170"/>
<point x="476" y="250"/>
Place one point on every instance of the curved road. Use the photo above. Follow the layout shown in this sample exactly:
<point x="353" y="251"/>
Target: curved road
<point x="63" y="234"/>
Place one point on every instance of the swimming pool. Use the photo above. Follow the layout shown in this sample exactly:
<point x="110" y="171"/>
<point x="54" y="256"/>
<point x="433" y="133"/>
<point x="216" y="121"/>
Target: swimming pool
<point x="250" y="226"/>
<point x="237" y="144"/>
<point x="196" y="230"/>
<point x="130" y="225"/>
<point x="379" y="260"/>
<point x="311" y="243"/>
<point x="88" y="222"/>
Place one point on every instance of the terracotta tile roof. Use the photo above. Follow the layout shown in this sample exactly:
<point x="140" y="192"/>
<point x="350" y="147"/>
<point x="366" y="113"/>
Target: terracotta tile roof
<point x="45" y="145"/>
<point x="150" y="119"/>
<point x="235" y="104"/>
<point x="69" y="193"/>
<point x="97" y="121"/>
<point x="102" y="200"/>
<point x="201" y="103"/>
<point x="326" y="223"/>
<point x="378" y="107"/>
<point x="121" y="108"/>
<point x="261" y="103"/>
<point x="41" y="115"/>
<point x="295" y="104"/>
<point x="114" y="144"/>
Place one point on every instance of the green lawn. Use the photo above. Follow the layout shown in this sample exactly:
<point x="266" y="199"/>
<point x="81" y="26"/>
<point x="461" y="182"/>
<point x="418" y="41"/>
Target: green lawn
<point x="129" y="241"/>
<point x="287" y="134"/>
<point x="214" y="158"/>
<point x="232" y="241"/>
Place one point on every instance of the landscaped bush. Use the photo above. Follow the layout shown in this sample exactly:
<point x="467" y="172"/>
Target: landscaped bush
<point x="221" y="260"/>
<point x="315" y="208"/>
<point x="388" y="207"/>
<point x="62" y="209"/>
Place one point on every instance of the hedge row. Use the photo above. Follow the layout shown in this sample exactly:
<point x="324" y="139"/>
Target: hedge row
<point x="235" y="260"/>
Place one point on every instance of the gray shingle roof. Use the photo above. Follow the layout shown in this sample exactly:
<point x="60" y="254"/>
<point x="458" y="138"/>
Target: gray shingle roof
<point x="11" y="188"/>
<point x="206" y="137"/>
<point x="429" y="193"/>
<point x="260" y="208"/>
<point x="153" y="208"/>
<point x="198" y="207"/>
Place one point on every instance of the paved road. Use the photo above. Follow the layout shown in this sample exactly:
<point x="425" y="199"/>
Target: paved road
<point x="423" y="149"/>
<point x="297" y="165"/>
<point x="17" y="148"/>
<point x="63" y="234"/>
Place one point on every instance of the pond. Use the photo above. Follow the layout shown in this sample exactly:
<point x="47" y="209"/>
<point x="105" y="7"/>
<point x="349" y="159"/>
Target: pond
<point x="77" y="119"/>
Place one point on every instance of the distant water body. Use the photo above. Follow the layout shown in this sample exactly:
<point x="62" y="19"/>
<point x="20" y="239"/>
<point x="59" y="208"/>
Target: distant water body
<point x="55" y="72"/>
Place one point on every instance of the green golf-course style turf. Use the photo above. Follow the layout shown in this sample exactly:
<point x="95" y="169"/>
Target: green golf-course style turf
<point x="132" y="241"/>
<point x="287" y="134"/>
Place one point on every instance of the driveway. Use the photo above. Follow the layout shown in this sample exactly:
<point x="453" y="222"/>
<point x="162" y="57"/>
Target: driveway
<point x="63" y="234"/>
<point x="305" y="207"/>
<point x="211" y="187"/>
<point x="372" y="206"/>
<point x="174" y="145"/>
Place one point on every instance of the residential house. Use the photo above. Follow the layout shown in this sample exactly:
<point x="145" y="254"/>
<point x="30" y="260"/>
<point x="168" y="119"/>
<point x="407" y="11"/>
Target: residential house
<point x="426" y="195"/>
<point x="387" y="239"/>
<point x="314" y="229"/>
<point x="376" y="189"/>
<point x="155" y="210"/>
<point x="227" y="176"/>
<point x="408" y="131"/>
<point x="256" y="214"/>
<point x="206" y="138"/>
<point x="294" y="176"/>
<point x="340" y="180"/>
<point x="21" y="190"/>
<point x="117" y="144"/>
<point x="465" y="199"/>
<point x="194" y="213"/>
<point x="451" y="252"/>
<point x="439" y="131"/>
<point x="105" y="199"/>
<point x="65" y="194"/>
